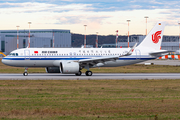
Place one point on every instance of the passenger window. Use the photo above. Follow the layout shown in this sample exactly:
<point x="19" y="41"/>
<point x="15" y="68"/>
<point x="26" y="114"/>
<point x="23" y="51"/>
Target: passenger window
<point x="16" y="54"/>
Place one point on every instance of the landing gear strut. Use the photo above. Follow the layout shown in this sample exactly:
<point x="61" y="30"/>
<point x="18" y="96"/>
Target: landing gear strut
<point x="88" y="72"/>
<point x="25" y="72"/>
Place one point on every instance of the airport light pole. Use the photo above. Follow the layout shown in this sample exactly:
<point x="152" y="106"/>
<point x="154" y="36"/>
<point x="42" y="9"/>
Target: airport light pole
<point x="179" y="36"/>
<point x="85" y="37"/>
<point x="116" y="37"/>
<point x="128" y="32"/>
<point x="146" y="23"/>
<point x="53" y="39"/>
<point x="17" y="37"/>
<point x="29" y="35"/>
<point x="97" y="40"/>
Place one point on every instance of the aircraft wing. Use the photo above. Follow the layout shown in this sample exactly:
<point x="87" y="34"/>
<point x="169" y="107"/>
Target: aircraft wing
<point x="158" y="53"/>
<point x="96" y="60"/>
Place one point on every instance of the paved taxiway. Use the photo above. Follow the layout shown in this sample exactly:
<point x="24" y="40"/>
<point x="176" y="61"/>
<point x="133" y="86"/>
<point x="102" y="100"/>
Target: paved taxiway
<point x="120" y="76"/>
<point x="99" y="76"/>
<point x="163" y="62"/>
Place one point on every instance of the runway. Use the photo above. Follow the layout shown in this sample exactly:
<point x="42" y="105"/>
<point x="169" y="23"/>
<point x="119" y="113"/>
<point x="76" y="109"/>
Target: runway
<point x="95" y="76"/>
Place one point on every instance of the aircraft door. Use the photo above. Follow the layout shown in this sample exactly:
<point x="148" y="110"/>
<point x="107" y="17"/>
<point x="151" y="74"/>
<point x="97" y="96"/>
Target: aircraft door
<point x="27" y="54"/>
<point x="138" y="54"/>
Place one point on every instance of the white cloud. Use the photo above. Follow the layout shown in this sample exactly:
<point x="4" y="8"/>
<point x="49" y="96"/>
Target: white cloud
<point x="155" y="2"/>
<point x="40" y="7"/>
<point x="136" y="6"/>
<point x="74" y="16"/>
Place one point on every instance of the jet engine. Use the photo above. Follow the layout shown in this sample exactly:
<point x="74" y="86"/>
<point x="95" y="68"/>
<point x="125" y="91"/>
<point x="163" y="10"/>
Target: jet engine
<point x="69" y="67"/>
<point x="52" y="69"/>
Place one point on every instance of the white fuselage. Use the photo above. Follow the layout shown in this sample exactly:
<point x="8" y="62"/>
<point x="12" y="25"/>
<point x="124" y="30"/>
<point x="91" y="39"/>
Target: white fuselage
<point x="51" y="57"/>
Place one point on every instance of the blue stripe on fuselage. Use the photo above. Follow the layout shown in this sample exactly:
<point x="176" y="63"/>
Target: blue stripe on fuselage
<point x="70" y="58"/>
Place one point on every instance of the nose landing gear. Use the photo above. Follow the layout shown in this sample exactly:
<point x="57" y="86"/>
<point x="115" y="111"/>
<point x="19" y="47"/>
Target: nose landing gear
<point x="25" y="72"/>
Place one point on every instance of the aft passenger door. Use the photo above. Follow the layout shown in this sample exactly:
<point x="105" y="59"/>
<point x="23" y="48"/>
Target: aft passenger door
<point x="27" y="54"/>
<point x="138" y="54"/>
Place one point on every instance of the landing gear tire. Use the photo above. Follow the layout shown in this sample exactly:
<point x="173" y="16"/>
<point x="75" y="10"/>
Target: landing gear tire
<point x="79" y="73"/>
<point x="88" y="73"/>
<point x="25" y="74"/>
<point x="25" y="71"/>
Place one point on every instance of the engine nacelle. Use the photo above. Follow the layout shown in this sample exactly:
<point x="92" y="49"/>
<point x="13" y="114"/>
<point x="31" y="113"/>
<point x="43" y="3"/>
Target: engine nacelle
<point x="69" y="67"/>
<point x="52" y="69"/>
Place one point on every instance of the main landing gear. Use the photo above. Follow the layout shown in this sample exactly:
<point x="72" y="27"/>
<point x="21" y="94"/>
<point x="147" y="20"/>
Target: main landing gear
<point x="79" y="73"/>
<point x="87" y="73"/>
<point x="25" y="72"/>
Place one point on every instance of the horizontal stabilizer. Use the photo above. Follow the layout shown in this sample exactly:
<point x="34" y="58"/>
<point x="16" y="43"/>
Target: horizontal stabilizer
<point x="160" y="52"/>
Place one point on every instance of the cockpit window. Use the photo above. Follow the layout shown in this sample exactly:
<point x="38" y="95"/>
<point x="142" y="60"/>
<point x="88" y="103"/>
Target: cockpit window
<point x="13" y="54"/>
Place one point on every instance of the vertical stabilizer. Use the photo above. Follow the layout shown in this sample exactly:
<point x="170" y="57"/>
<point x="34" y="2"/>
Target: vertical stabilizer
<point x="153" y="40"/>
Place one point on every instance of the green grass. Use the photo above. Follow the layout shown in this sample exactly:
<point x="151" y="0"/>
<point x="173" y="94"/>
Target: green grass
<point x="90" y="99"/>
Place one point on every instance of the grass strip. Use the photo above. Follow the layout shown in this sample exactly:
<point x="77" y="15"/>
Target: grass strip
<point x="90" y="99"/>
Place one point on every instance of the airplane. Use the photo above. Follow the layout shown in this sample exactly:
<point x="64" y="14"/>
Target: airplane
<point x="73" y="60"/>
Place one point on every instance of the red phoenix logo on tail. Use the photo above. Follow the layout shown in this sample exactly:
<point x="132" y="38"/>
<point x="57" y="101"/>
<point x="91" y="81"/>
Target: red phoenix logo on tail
<point x="156" y="37"/>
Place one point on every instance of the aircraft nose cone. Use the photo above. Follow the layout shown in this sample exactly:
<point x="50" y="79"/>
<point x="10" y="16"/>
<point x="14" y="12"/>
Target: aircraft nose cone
<point x="8" y="62"/>
<point x="3" y="61"/>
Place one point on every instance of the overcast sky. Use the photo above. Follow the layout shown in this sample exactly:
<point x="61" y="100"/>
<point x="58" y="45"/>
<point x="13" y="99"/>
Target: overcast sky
<point x="103" y="16"/>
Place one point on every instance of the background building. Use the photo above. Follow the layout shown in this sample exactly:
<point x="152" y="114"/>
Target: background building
<point x="168" y="42"/>
<point x="38" y="38"/>
<point x="63" y="38"/>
